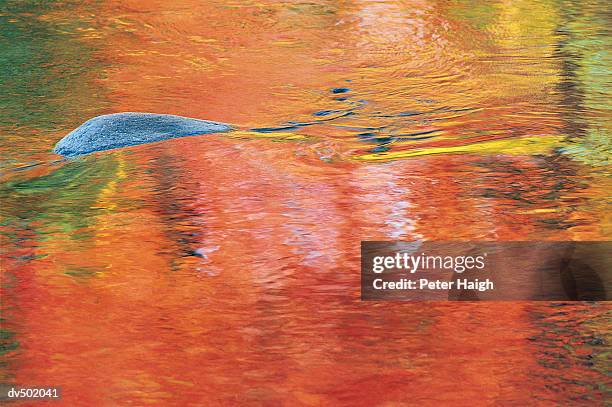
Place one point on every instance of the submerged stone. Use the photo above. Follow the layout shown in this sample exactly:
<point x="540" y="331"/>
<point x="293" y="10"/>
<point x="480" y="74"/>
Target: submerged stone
<point x="117" y="130"/>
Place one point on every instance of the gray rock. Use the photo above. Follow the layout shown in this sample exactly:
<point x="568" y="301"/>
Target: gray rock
<point x="130" y="129"/>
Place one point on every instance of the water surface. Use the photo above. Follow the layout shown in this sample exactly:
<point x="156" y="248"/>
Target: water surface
<point x="223" y="269"/>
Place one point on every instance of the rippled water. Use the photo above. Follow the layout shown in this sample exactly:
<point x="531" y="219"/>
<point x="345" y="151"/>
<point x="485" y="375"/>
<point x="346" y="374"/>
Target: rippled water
<point x="223" y="269"/>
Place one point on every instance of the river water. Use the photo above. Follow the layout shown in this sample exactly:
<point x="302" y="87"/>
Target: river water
<point x="223" y="269"/>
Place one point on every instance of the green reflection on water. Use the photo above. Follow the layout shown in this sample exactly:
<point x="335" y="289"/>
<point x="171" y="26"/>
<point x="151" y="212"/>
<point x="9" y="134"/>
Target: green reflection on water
<point x="63" y="199"/>
<point x="46" y="68"/>
<point x="479" y="14"/>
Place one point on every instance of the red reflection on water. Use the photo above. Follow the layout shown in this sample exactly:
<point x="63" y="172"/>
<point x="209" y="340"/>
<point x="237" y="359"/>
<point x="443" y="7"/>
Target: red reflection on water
<point x="223" y="271"/>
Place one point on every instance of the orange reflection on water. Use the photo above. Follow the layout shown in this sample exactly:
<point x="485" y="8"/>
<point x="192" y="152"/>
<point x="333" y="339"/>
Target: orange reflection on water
<point x="222" y="270"/>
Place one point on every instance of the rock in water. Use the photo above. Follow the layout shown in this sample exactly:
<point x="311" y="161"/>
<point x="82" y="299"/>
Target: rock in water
<point x="130" y="129"/>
